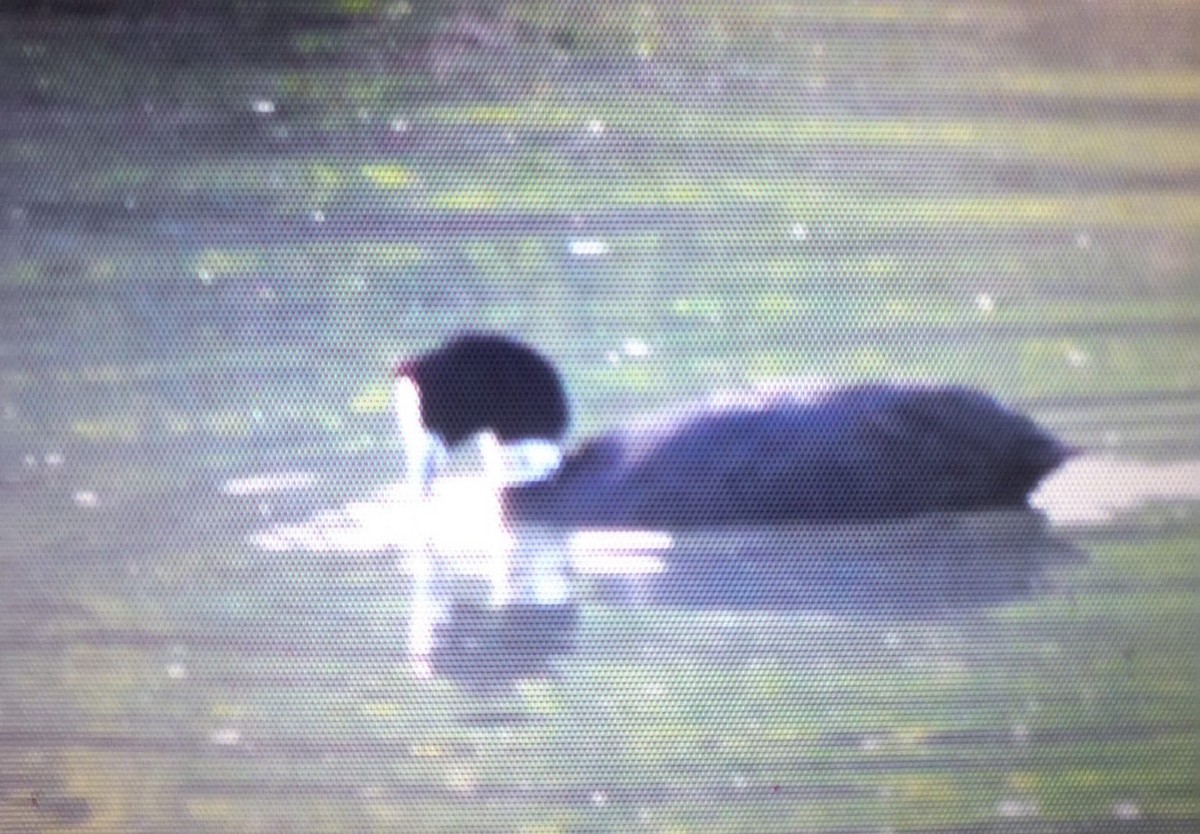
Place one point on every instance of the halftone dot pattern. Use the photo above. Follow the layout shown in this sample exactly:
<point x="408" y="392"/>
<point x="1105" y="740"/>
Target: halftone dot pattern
<point x="223" y="223"/>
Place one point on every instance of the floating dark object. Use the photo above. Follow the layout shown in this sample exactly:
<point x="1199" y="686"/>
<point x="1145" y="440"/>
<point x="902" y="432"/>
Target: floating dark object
<point x="857" y="454"/>
<point x="862" y="453"/>
<point x="486" y="381"/>
<point x="874" y="484"/>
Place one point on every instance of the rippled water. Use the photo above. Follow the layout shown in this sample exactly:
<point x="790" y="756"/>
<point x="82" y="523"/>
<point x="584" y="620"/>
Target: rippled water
<point x="207" y="267"/>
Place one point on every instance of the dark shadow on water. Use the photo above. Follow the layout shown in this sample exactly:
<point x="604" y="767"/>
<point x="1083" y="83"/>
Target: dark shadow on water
<point x="486" y="648"/>
<point x="926" y="567"/>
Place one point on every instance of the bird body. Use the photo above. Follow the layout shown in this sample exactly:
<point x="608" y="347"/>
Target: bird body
<point x="860" y="453"/>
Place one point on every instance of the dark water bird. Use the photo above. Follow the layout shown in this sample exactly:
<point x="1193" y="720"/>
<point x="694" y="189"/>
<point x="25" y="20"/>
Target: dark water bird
<point x="478" y="382"/>
<point x="862" y="453"/>
<point x="882" y="470"/>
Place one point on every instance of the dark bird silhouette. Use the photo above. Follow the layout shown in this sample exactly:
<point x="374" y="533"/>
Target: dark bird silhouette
<point x="862" y="453"/>
<point x="487" y="381"/>
<point x="867" y="452"/>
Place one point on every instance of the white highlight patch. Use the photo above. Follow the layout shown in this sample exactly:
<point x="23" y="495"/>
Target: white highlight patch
<point x="584" y="542"/>
<point x="1077" y="358"/>
<point x="1127" y="811"/>
<point x="587" y="248"/>
<point x="1096" y="488"/>
<point x="225" y="737"/>
<point x="265" y="484"/>
<point x="613" y="565"/>
<point x="1014" y="808"/>
<point x="635" y="348"/>
<point x="529" y="460"/>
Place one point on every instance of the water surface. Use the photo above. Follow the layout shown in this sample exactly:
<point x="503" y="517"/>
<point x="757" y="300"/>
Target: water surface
<point x="209" y="259"/>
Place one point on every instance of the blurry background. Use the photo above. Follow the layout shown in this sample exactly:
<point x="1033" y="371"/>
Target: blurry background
<point x="222" y="220"/>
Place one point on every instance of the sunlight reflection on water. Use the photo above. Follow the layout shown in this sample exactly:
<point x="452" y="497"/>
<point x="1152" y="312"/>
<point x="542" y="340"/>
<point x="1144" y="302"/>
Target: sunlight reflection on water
<point x="1090" y="490"/>
<point x="918" y="565"/>
<point x="1096" y="489"/>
